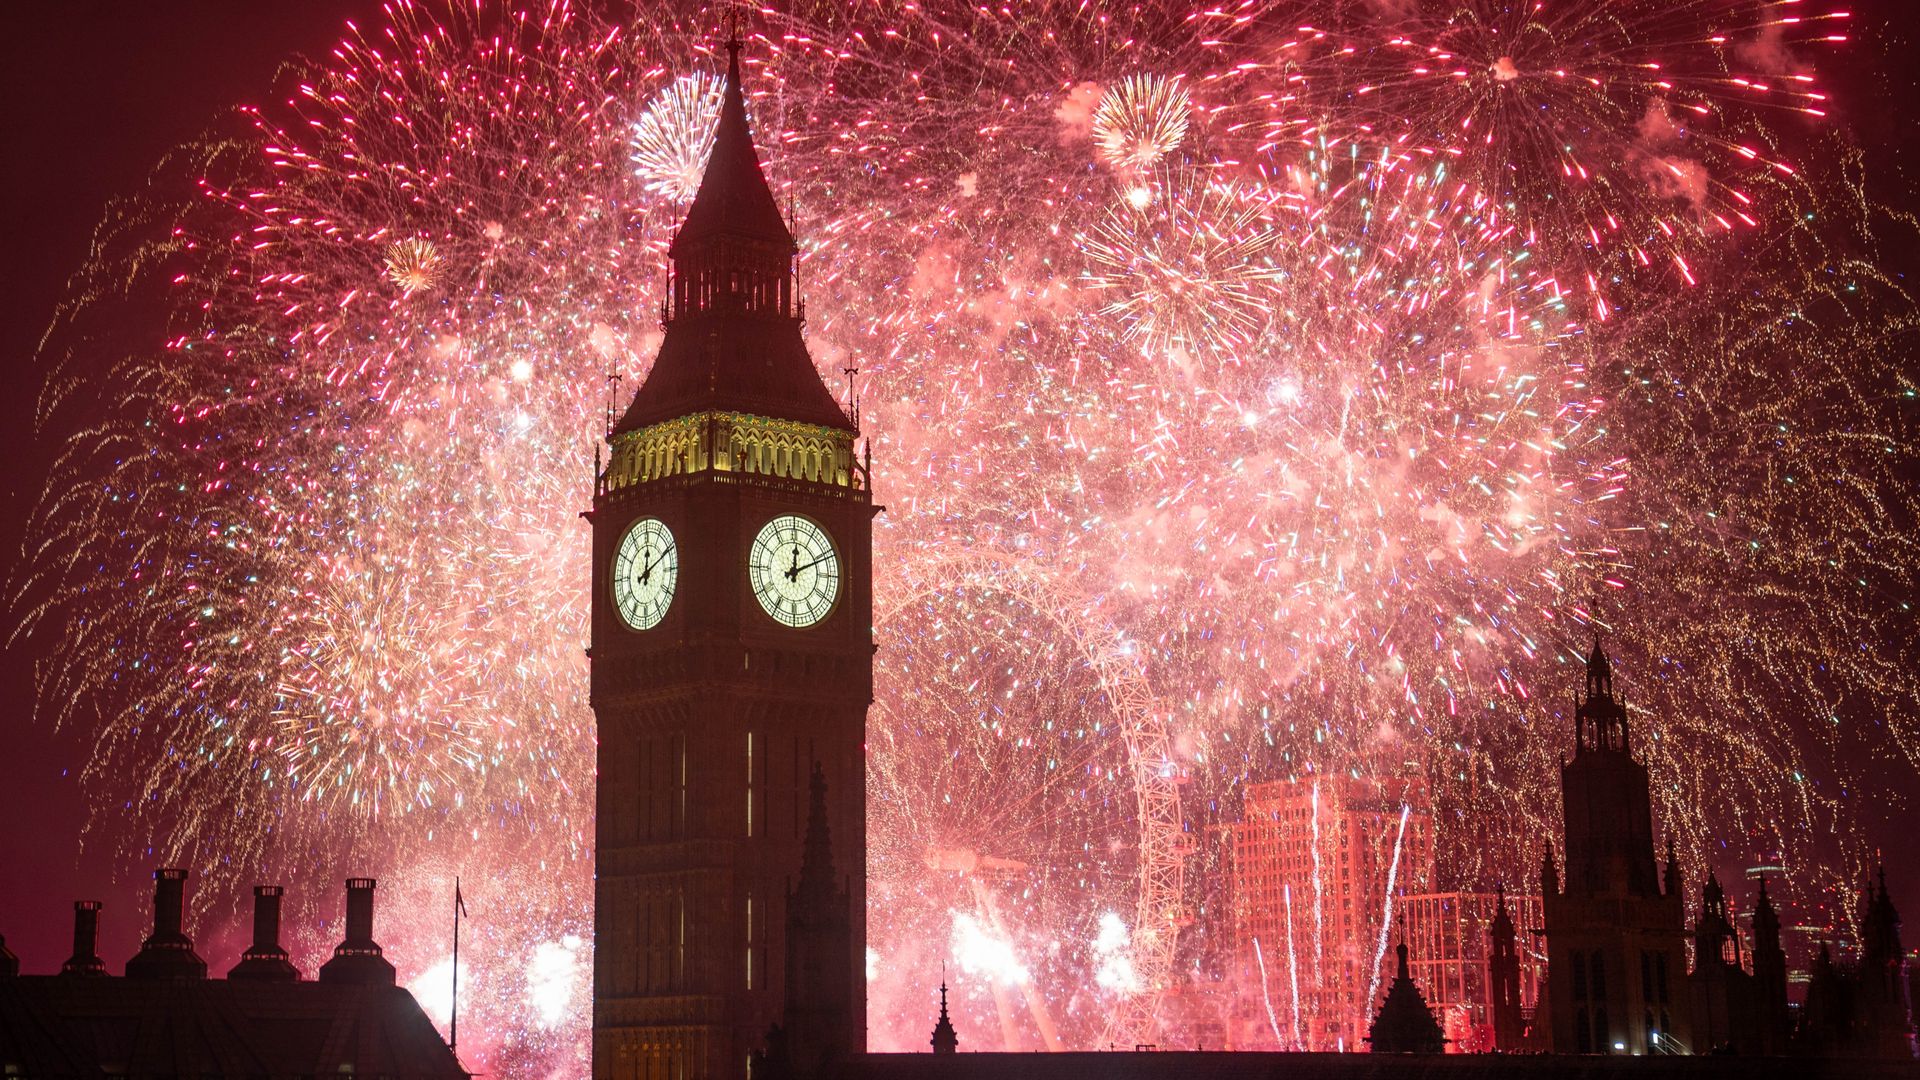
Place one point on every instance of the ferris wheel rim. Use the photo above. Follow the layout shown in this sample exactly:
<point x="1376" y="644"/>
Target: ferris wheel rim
<point x="1160" y="897"/>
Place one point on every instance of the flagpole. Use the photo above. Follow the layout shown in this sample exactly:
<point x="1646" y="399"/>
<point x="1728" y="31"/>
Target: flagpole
<point x="453" y="1033"/>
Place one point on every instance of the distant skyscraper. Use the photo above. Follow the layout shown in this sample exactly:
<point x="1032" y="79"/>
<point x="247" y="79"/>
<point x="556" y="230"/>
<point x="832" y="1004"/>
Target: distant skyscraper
<point x="1319" y="867"/>
<point x="1774" y="1021"/>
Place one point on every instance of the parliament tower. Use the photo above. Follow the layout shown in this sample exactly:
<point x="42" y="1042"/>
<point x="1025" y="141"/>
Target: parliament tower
<point x="1616" y="932"/>
<point x="732" y="665"/>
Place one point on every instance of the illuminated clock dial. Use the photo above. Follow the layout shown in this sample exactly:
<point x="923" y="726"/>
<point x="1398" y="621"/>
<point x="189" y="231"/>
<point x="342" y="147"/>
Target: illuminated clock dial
<point x="794" y="570"/>
<point x="645" y="568"/>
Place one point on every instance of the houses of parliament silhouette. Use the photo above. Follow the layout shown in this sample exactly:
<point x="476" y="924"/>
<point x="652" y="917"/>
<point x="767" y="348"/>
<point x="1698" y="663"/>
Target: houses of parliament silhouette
<point x="732" y="669"/>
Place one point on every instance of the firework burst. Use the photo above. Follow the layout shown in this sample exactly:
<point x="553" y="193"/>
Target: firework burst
<point x="413" y="265"/>
<point x="1189" y="270"/>
<point x="674" y="135"/>
<point x="1140" y="120"/>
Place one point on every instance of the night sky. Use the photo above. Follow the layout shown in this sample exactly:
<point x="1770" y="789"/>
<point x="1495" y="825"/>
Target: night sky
<point x="97" y="92"/>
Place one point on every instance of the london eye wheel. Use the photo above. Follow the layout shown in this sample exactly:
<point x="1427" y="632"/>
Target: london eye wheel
<point x="1025" y="840"/>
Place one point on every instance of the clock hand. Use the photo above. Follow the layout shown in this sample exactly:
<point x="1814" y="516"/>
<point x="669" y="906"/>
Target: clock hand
<point x="646" y="571"/>
<point x="793" y="571"/>
<point x="816" y="562"/>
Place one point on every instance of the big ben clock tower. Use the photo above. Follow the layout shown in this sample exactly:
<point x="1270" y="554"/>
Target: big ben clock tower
<point x="732" y="666"/>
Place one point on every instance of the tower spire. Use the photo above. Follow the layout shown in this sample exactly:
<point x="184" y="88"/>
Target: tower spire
<point x="733" y="47"/>
<point x="819" y="1024"/>
<point x="816" y="853"/>
<point x="733" y="340"/>
<point x="734" y="197"/>
<point x="1599" y="671"/>
<point x="1405" y="1023"/>
<point x="1503" y="976"/>
<point x="945" y="1040"/>
<point x="1600" y="720"/>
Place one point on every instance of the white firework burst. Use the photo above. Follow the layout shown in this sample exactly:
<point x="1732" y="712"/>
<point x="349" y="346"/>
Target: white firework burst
<point x="673" y="137"/>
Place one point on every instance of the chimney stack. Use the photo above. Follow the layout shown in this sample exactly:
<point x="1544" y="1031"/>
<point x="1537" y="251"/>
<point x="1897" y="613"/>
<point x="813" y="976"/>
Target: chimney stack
<point x="169" y="900"/>
<point x="358" y="959"/>
<point x="86" y="931"/>
<point x="266" y="918"/>
<point x="168" y="954"/>
<point x="266" y="961"/>
<point x="360" y="912"/>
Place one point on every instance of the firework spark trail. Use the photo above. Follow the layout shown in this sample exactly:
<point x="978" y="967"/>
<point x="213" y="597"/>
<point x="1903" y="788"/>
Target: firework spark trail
<point x="982" y="783"/>
<point x="1293" y="972"/>
<point x="1189" y="266"/>
<point x="1386" y="906"/>
<point x="316" y="587"/>
<point x="1266" y="997"/>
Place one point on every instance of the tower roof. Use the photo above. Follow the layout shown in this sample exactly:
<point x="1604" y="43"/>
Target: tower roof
<point x="750" y="365"/>
<point x="733" y="196"/>
<point x="1405" y="1024"/>
<point x="733" y="341"/>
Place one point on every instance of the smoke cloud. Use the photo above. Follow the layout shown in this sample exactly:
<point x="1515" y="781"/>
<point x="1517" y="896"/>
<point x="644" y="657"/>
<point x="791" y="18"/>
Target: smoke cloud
<point x="1075" y="112"/>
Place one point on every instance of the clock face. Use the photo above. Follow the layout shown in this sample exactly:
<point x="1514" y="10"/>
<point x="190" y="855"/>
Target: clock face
<point x="645" y="568"/>
<point x="794" y="570"/>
